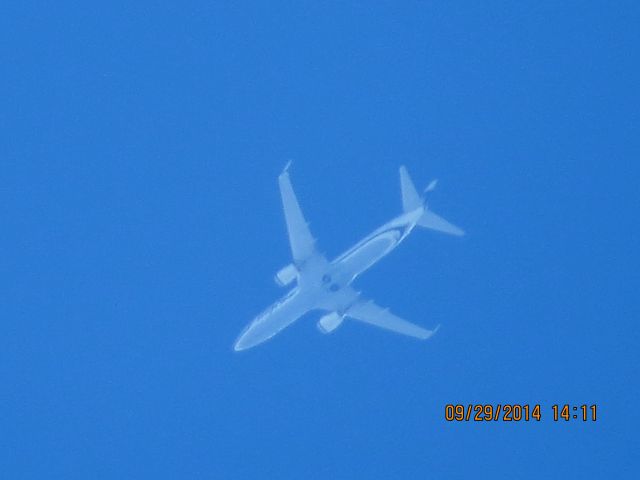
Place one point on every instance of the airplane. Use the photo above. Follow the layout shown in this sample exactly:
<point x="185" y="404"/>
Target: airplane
<point x="326" y="285"/>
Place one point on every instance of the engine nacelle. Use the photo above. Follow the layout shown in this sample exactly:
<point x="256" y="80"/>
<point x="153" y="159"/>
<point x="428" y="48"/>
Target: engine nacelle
<point x="286" y="275"/>
<point x="330" y="322"/>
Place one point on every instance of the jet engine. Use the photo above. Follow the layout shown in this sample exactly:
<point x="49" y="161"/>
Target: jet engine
<point x="286" y="275"/>
<point x="330" y="322"/>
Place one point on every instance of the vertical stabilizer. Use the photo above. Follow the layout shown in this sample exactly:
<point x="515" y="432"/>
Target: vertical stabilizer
<point x="410" y="198"/>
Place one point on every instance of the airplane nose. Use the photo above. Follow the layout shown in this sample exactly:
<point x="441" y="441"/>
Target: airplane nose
<point x="241" y="343"/>
<point x="250" y="338"/>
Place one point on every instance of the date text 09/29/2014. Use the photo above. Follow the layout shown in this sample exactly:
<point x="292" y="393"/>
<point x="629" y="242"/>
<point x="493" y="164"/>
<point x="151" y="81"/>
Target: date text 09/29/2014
<point x="518" y="412"/>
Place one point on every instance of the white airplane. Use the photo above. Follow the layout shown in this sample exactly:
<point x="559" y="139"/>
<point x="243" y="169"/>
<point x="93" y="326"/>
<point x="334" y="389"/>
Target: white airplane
<point x="326" y="285"/>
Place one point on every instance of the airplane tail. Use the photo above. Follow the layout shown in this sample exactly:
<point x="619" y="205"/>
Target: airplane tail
<point x="412" y="200"/>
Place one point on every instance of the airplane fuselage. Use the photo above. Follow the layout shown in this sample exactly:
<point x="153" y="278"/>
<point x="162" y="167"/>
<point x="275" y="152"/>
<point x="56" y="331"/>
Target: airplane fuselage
<point x="376" y="245"/>
<point x="332" y="277"/>
<point x="327" y="281"/>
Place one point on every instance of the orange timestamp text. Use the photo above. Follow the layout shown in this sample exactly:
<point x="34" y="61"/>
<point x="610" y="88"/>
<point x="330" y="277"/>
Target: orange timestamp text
<point x="517" y="412"/>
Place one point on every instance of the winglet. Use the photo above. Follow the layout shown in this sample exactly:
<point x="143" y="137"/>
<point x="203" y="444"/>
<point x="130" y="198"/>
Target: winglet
<point x="435" y="330"/>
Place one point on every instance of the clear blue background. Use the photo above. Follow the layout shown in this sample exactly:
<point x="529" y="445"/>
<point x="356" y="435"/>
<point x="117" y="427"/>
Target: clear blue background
<point x="140" y="144"/>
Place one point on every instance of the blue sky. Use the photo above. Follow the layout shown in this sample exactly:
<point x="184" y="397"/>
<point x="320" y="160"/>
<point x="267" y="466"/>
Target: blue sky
<point x="139" y="149"/>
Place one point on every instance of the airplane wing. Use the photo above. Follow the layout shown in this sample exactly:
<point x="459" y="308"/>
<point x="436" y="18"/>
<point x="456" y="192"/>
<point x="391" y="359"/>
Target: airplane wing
<point x="300" y="238"/>
<point x="275" y="318"/>
<point x="369" y="312"/>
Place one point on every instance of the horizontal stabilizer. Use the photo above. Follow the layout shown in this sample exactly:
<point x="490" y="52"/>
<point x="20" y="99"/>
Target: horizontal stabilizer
<point x="435" y="222"/>
<point x="410" y="198"/>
